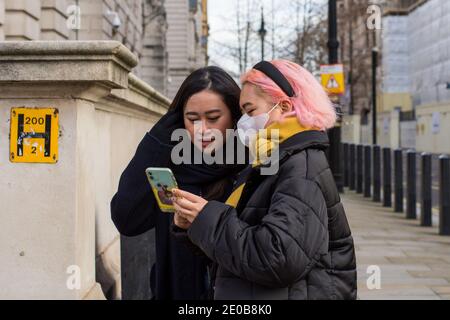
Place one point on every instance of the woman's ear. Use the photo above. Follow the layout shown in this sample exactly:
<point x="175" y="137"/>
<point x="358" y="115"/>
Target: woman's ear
<point x="286" y="106"/>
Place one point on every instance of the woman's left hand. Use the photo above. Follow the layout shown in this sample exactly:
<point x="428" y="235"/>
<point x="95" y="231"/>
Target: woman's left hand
<point x="187" y="205"/>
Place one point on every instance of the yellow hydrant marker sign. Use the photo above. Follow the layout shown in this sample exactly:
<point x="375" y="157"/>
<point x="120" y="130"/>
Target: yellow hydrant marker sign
<point x="332" y="78"/>
<point x="34" y="135"/>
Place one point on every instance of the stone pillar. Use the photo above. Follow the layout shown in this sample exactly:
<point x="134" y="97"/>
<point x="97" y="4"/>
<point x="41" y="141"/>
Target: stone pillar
<point x="48" y="210"/>
<point x="22" y="19"/>
<point x="2" y="20"/>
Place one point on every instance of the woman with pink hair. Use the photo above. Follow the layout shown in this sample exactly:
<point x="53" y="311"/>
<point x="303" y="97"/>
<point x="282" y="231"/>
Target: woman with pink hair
<point x="283" y="235"/>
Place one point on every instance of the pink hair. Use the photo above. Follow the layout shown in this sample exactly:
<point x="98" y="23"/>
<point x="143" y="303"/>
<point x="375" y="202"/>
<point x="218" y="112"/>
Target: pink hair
<point x="311" y="104"/>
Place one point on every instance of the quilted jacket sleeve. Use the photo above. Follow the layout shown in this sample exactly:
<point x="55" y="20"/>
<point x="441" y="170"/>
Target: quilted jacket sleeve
<point x="281" y="249"/>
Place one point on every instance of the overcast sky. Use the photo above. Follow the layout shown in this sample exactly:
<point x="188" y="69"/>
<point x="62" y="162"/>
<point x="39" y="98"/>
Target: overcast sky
<point x="222" y="21"/>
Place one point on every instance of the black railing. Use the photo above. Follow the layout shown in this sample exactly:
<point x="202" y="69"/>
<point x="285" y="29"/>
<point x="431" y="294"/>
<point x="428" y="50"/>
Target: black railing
<point x="368" y="171"/>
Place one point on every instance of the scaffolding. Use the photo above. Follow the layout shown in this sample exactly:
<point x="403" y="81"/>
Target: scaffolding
<point x="416" y="53"/>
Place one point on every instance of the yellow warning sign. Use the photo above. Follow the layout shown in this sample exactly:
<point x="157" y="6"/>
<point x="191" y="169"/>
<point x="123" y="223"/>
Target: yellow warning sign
<point x="332" y="78"/>
<point x="34" y="135"/>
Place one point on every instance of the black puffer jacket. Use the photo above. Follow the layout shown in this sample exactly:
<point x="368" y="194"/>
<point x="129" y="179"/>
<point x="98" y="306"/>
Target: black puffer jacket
<point x="288" y="238"/>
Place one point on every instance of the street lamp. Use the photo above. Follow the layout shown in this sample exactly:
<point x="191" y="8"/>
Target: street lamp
<point x="262" y="32"/>
<point x="336" y="163"/>
<point x="333" y="43"/>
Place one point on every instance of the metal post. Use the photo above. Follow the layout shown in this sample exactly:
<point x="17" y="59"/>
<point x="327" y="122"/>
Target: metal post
<point x="411" y="195"/>
<point x="367" y="171"/>
<point x="376" y="173"/>
<point x="426" y="199"/>
<point x="333" y="43"/>
<point x="359" y="168"/>
<point x="334" y="133"/>
<point x="345" y="147"/>
<point x="374" y="94"/>
<point x="352" y="165"/>
<point x="262" y="33"/>
<point x="398" y="180"/>
<point x="387" y="178"/>
<point x="444" y="199"/>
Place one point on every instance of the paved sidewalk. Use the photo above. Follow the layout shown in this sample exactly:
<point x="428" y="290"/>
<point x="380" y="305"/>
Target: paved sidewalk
<point x="414" y="261"/>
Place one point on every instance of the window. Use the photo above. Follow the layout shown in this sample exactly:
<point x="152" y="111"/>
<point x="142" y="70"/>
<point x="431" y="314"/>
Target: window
<point x="193" y="5"/>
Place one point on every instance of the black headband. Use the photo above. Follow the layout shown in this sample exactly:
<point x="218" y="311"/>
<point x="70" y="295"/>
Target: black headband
<point x="273" y="73"/>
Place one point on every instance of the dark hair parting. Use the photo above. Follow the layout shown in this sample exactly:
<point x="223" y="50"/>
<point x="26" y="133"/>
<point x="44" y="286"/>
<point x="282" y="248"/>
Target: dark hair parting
<point x="214" y="79"/>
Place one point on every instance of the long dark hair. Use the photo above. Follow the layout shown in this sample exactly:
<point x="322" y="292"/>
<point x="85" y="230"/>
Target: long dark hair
<point x="214" y="79"/>
<point x="218" y="81"/>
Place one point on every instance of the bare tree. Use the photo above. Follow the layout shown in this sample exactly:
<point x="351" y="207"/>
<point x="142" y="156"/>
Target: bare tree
<point x="303" y="41"/>
<point x="356" y="42"/>
<point x="241" y="48"/>
<point x="308" y="46"/>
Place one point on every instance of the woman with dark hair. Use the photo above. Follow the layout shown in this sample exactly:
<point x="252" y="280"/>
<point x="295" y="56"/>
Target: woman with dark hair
<point x="209" y="98"/>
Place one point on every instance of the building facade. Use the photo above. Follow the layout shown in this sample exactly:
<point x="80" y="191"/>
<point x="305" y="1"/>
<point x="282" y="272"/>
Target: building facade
<point x="357" y="39"/>
<point x="413" y="75"/>
<point x="168" y="36"/>
<point x="186" y="39"/>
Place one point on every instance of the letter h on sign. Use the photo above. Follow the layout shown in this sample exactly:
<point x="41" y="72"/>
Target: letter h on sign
<point x="34" y="135"/>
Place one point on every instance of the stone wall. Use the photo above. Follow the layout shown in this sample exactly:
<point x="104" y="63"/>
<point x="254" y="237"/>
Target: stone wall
<point x="154" y="61"/>
<point x="183" y="41"/>
<point x="433" y="128"/>
<point x="53" y="22"/>
<point x="97" y="24"/>
<point x="142" y="28"/>
<point x="56" y="216"/>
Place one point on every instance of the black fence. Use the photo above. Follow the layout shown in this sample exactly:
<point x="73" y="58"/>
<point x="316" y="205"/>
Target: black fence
<point x="402" y="179"/>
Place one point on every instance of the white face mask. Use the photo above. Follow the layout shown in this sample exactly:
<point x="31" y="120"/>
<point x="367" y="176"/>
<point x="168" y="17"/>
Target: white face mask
<point x="248" y="127"/>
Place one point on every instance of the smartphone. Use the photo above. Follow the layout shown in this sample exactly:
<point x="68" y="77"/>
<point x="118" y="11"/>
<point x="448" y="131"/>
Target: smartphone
<point x="162" y="182"/>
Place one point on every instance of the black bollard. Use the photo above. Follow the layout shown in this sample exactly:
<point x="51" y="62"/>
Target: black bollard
<point x="398" y="180"/>
<point x="346" y="164"/>
<point x="387" y="178"/>
<point x="367" y="171"/>
<point x="426" y="198"/>
<point x="411" y="187"/>
<point x="444" y="199"/>
<point x="352" y="165"/>
<point x="376" y="173"/>
<point x="359" y="168"/>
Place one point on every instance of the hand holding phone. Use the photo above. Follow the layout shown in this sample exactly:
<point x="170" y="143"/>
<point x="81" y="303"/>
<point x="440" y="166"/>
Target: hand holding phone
<point x="162" y="181"/>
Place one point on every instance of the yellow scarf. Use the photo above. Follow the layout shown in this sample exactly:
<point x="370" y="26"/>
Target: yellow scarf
<point x="266" y="141"/>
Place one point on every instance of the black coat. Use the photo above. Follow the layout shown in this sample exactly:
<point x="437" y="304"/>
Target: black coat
<point x="288" y="237"/>
<point x="178" y="273"/>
